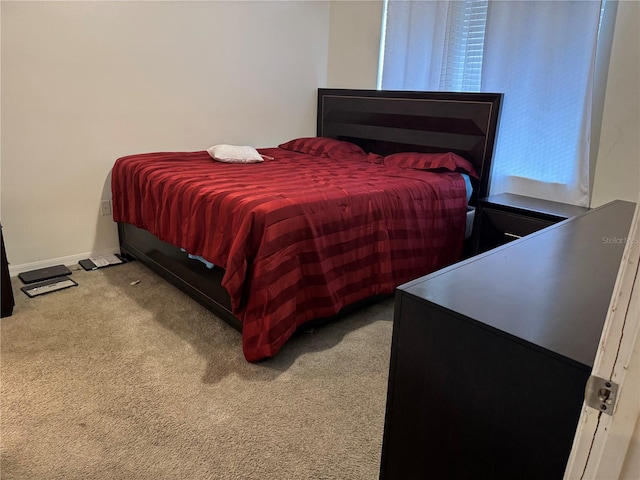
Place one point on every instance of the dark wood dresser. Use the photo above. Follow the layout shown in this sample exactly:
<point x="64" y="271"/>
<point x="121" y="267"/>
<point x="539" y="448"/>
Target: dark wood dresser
<point x="490" y="356"/>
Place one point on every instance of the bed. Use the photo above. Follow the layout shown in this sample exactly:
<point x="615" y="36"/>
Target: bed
<point x="323" y="224"/>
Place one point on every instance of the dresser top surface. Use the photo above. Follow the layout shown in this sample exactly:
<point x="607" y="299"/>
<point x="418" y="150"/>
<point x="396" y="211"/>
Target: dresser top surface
<point x="551" y="288"/>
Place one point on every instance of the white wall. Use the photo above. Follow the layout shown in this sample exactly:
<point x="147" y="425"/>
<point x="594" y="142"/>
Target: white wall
<point x="354" y="40"/>
<point x="617" y="173"/>
<point x="84" y="83"/>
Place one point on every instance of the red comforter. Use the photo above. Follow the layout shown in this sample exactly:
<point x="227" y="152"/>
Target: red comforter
<point x="299" y="236"/>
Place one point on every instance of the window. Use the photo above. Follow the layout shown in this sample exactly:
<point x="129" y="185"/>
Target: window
<point x="541" y="55"/>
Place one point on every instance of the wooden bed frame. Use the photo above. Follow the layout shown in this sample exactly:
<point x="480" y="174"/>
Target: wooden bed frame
<point x="383" y="122"/>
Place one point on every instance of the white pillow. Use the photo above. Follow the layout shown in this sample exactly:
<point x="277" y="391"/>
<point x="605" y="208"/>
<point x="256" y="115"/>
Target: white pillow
<point x="234" y="154"/>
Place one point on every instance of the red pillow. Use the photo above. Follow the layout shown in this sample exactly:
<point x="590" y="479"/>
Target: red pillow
<point x="430" y="161"/>
<point x="323" y="147"/>
<point x="375" y="158"/>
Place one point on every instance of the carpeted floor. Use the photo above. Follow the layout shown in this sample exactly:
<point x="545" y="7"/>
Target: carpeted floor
<point x="109" y="380"/>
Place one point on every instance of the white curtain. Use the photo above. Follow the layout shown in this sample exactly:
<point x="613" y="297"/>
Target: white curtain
<point x="540" y="54"/>
<point x="414" y="43"/>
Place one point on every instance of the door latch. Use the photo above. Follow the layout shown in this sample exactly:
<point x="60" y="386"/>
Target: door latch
<point x="601" y="394"/>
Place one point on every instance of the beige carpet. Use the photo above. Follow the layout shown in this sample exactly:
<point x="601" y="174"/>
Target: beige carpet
<point x="109" y="380"/>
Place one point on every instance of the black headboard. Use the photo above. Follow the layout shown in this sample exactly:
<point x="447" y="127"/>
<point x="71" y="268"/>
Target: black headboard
<point x="386" y="122"/>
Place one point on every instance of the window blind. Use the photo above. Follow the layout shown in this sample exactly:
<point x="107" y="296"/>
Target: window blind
<point x="463" y="50"/>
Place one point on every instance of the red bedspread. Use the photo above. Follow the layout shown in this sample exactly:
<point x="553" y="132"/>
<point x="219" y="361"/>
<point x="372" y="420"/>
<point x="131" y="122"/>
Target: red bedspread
<point x="299" y="236"/>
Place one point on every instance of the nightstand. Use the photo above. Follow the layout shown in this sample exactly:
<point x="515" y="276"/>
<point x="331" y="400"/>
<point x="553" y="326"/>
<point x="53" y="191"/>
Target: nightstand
<point x="506" y="217"/>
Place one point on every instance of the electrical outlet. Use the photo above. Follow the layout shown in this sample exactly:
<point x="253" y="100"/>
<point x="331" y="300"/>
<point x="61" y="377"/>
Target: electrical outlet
<point x="105" y="207"/>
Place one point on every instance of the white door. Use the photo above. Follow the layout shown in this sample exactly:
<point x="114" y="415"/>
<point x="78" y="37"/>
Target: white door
<point x="607" y="447"/>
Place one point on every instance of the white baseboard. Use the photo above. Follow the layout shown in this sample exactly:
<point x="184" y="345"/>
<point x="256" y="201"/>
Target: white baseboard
<point x="15" y="270"/>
